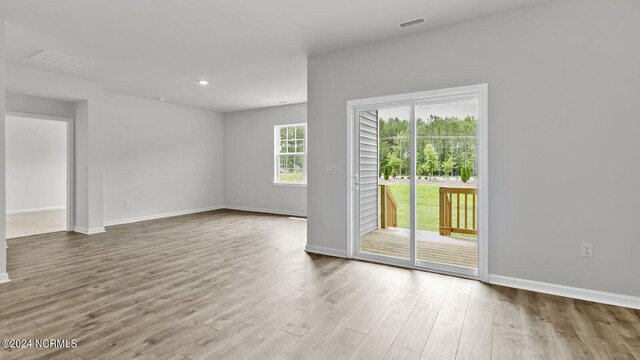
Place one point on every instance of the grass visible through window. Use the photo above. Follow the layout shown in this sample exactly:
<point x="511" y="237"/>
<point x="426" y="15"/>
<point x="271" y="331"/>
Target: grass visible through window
<point x="294" y="177"/>
<point x="428" y="206"/>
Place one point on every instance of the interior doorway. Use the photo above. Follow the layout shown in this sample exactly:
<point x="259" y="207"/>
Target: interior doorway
<point x="39" y="173"/>
<point x="419" y="184"/>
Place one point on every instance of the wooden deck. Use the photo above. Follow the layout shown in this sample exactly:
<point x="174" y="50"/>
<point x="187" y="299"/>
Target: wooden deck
<point x="431" y="247"/>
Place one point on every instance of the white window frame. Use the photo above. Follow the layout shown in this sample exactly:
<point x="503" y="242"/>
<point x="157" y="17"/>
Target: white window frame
<point x="277" y="154"/>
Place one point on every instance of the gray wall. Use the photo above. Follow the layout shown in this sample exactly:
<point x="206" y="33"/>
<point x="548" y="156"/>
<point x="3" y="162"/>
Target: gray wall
<point x="36" y="164"/>
<point x="161" y="158"/>
<point x="564" y="84"/>
<point x="87" y="98"/>
<point x="39" y="105"/>
<point x="248" y="169"/>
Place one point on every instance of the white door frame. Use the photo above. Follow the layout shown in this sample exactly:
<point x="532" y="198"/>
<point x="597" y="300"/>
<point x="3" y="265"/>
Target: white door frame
<point x="70" y="159"/>
<point x="481" y="93"/>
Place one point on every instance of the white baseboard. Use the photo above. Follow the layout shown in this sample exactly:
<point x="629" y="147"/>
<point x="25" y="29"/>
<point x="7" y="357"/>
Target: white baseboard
<point x="325" y="251"/>
<point x="567" y="291"/>
<point x="195" y="211"/>
<point x="92" y="231"/>
<point x="267" y="211"/>
<point x="24" y="211"/>
<point x="160" y="216"/>
<point x="4" y="278"/>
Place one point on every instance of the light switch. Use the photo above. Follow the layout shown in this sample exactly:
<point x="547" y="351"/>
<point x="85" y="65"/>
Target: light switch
<point x="332" y="169"/>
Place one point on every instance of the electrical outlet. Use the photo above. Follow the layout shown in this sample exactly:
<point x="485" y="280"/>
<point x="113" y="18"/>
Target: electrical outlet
<point x="127" y="202"/>
<point x="586" y="250"/>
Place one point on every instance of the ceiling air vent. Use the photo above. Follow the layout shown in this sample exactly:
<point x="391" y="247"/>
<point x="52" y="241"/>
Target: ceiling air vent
<point x="412" y="22"/>
<point x="61" y="60"/>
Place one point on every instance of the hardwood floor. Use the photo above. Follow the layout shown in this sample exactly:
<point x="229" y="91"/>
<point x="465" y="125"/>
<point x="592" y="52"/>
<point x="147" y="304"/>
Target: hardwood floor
<point x="234" y="285"/>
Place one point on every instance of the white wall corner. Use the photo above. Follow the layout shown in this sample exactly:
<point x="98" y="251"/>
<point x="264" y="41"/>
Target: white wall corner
<point x="325" y="251"/>
<point x="92" y="231"/>
<point x="4" y="278"/>
<point x="567" y="291"/>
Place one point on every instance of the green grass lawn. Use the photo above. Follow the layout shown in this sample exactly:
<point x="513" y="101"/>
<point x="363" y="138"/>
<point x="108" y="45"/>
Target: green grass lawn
<point x="428" y="208"/>
<point x="294" y="177"/>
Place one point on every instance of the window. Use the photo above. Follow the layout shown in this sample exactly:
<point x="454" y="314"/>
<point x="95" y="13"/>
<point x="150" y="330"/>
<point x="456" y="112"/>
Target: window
<point x="290" y="154"/>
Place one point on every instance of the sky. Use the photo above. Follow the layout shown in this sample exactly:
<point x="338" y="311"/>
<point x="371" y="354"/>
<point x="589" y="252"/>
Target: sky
<point x="458" y="109"/>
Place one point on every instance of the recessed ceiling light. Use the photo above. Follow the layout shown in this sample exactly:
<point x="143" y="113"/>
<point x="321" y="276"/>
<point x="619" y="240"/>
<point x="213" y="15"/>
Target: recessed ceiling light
<point x="203" y="82"/>
<point x="158" y="98"/>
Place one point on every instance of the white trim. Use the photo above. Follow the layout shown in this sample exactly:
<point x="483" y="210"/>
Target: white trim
<point x="71" y="174"/>
<point x="24" y="211"/>
<point x="567" y="291"/>
<point x="267" y="211"/>
<point x="4" y="278"/>
<point x="403" y="99"/>
<point x="92" y="231"/>
<point x="351" y="178"/>
<point x="482" y="139"/>
<point x="325" y="251"/>
<point x="195" y="211"/>
<point x="37" y="116"/>
<point x="480" y="92"/>
<point x="290" y="184"/>
<point x="451" y="270"/>
<point x="160" y="216"/>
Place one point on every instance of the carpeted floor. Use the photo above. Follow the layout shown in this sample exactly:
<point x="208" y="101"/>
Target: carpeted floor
<point x="35" y="223"/>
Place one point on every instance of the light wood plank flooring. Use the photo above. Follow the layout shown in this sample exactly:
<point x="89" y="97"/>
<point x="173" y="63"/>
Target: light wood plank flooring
<point x="234" y="285"/>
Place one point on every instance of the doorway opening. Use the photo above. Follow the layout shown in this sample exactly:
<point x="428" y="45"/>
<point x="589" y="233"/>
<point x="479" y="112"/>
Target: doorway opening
<point x="39" y="172"/>
<point x="418" y="180"/>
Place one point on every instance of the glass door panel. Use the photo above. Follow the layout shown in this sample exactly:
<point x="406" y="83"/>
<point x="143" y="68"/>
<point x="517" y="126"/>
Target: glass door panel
<point x="384" y="190"/>
<point x="446" y="187"/>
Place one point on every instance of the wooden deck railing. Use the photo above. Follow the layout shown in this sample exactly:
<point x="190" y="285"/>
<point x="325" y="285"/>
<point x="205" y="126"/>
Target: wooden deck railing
<point x="388" y="208"/>
<point x="458" y="210"/>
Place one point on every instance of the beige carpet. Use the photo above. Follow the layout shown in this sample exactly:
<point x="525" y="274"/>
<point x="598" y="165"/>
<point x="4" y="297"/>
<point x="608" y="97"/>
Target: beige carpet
<point x="35" y="223"/>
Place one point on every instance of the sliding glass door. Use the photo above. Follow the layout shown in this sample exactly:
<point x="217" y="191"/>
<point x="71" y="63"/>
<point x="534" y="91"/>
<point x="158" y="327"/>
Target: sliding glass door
<point x="416" y="176"/>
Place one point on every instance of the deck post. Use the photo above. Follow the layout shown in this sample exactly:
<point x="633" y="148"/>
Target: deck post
<point x="446" y="200"/>
<point x="383" y="206"/>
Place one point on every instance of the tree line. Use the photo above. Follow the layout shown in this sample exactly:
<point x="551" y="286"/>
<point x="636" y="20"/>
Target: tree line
<point x="445" y="147"/>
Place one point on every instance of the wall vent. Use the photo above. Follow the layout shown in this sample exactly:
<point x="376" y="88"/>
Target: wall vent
<point x="411" y="23"/>
<point x="61" y="60"/>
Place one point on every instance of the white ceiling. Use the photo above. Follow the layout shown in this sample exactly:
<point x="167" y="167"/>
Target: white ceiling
<point x="253" y="52"/>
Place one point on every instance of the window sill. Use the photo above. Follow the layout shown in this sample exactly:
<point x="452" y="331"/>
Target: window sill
<point x="290" y="184"/>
